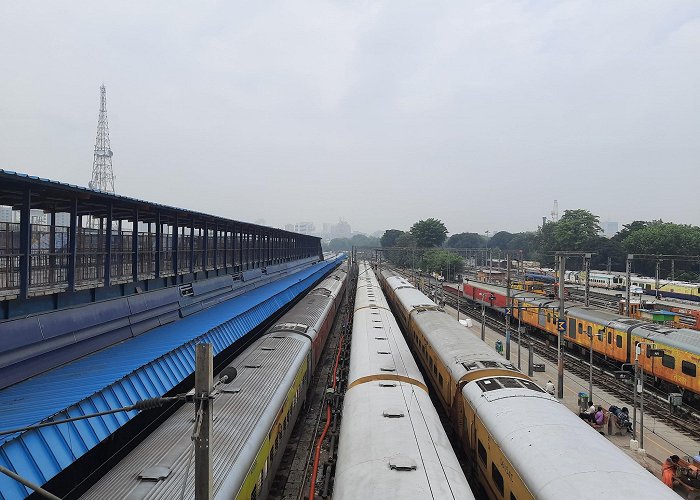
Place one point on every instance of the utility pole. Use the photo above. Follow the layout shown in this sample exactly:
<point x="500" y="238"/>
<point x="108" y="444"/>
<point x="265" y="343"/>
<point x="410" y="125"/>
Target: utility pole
<point x="587" y="266"/>
<point x="658" y="272"/>
<point x="102" y="174"/>
<point x="508" y="306"/>
<point x="490" y="265"/>
<point x="560" y="353"/>
<point x="628" y="268"/>
<point x="460" y="286"/>
<point x="203" y="387"/>
<point x="673" y="270"/>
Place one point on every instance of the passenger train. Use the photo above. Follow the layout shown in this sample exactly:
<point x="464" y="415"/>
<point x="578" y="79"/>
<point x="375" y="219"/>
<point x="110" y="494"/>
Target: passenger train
<point x="392" y="443"/>
<point x="254" y="415"/>
<point x="614" y="336"/>
<point x="499" y="415"/>
<point x="618" y="281"/>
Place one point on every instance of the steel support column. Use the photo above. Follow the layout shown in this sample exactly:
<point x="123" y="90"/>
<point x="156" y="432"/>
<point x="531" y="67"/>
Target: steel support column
<point x="72" y="244"/>
<point x="159" y="237"/>
<point x="192" y="245"/>
<point x="25" y="244"/>
<point x="205" y="248"/>
<point x="176" y="247"/>
<point x="52" y="247"/>
<point x="108" y="246"/>
<point x="135" y="246"/>
<point x="225" y="262"/>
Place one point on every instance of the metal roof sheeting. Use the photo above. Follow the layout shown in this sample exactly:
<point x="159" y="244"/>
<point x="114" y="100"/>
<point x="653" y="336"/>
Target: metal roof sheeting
<point x="143" y="367"/>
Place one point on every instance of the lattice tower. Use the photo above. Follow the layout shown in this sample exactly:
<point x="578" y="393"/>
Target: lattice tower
<point x="102" y="174"/>
<point x="555" y="211"/>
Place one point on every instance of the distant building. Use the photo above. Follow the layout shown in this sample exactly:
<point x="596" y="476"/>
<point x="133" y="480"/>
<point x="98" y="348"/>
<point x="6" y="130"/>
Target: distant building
<point x="341" y="230"/>
<point x="610" y="228"/>
<point x="301" y="227"/>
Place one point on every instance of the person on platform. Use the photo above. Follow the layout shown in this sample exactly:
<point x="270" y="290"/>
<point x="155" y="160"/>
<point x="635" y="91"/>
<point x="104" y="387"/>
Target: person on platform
<point x="589" y="414"/>
<point x="599" y="416"/>
<point x="668" y="470"/>
<point x="549" y="387"/>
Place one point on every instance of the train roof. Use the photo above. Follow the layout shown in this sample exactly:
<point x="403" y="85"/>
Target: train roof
<point x="392" y="442"/>
<point x="680" y="338"/>
<point x="378" y="347"/>
<point x="610" y="318"/>
<point x="245" y="411"/>
<point x="458" y="350"/>
<point x="555" y="452"/>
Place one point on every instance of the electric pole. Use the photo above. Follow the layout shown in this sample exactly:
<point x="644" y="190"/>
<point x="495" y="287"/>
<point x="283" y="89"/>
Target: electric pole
<point x="508" y="306"/>
<point x="203" y="387"/>
<point x="560" y="353"/>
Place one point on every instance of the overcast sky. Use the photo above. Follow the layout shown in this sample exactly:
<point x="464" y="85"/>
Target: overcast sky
<point x="479" y="113"/>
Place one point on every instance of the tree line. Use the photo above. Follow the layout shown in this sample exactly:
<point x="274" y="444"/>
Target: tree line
<point x="426" y="245"/>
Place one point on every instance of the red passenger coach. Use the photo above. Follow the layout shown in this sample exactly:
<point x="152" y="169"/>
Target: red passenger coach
<point x="492" y="297"/>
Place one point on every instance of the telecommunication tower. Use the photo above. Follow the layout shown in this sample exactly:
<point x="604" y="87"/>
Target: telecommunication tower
<point x="555" y="211"/>
<point x="102" y="175"/>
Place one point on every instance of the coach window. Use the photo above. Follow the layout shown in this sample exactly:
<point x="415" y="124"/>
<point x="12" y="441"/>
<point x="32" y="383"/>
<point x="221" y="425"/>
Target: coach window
<point x="618" y="341"/>
<point x="513" y="497"/>
<point x="580" y="328"/>
<point x="609" y="337"/>
<point x="440" y="379"/>
<point x="549" y="318"/>
<point x="497" y="478"/>
<point x="688" y="368"/>
<point x="482" y="452"/>
<point x="669" y="361"/>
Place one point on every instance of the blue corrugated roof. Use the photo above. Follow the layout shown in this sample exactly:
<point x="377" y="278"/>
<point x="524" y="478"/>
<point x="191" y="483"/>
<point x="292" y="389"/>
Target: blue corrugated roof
<point x="143" y="367"/>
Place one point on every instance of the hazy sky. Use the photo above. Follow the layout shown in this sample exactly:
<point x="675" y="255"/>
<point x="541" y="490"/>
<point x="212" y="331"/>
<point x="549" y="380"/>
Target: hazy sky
<point x="479" y="113"/>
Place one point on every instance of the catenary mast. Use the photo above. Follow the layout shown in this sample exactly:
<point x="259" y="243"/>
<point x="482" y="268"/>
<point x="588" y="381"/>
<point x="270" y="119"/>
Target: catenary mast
<point x="102" y="174"/>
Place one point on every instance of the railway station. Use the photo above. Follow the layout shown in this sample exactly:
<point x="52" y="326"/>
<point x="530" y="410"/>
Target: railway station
<point x="319" y="252"/>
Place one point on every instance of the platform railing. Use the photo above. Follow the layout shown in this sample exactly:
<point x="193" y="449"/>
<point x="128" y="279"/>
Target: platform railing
<point x="50" y="259"/>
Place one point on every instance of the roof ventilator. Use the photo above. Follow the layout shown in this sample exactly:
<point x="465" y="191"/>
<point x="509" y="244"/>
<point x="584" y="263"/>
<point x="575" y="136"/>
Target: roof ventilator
<point x="186" y="290"/>
<point x="155" y="473"/>
<point x="393" y="413"/>
<point x="402" y="463"/>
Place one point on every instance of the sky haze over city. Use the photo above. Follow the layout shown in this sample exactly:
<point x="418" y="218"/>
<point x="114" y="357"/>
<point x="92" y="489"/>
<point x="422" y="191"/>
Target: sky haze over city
<point x="480" y="114"/>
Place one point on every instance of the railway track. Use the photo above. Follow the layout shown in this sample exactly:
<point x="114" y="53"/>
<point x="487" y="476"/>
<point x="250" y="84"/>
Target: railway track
<point x="684" y="421"/>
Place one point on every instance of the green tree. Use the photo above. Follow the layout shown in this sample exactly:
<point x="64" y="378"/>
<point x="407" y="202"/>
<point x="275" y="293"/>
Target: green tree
<point x="664" y="238"/>
<point x="346" y="244"/>
<point x="527" y="242"/>
<point x="465" y="240"/>
<point x="630" y="228"/>
<point x="500" y="240"/>
<point x="429" y="232"/>
<point x="389" y="237"/>
<point x="448" y="264"/>
<point x="403" y="253"/>
<point x="576" y="230"/>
